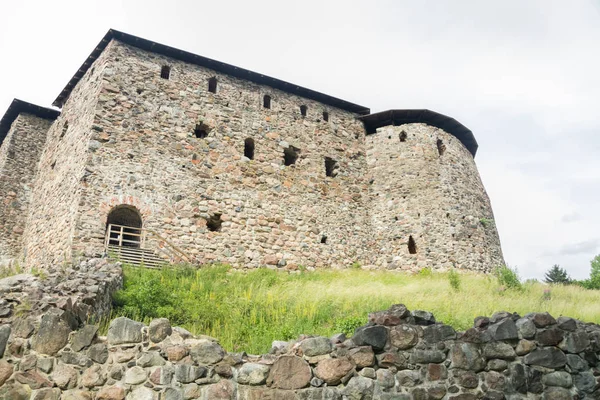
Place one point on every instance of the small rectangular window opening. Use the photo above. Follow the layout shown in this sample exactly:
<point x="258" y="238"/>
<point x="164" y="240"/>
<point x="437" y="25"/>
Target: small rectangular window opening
<point x="412" y="246"/>
<point x="249" y="148"/>
<point x="325" y="116"/>
<point x="201" y="131"/>
<point x="165" y="72"/>
<point x="290" y="155"/>
<point x="214" y="222"/>
<point x="403" y="136"/>
<point x="267" y="101"/>
<point x="441" y="147"/>
<point x="212" y="85"/>
<point x="303" y="110"/>
<point x="331" y="167"/>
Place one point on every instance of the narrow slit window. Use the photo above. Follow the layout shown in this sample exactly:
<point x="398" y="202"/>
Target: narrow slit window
<point x="212" y="85"/>
<point x="290" y="155"/>
<point x="441" y="147"/>
<point x="325" y="116"/>
<point x="303" y="110"/>
<point x="412" y="246"/>
<point x="249" y="148"/>
<point x="267" y="101"/>
<point x="403" y="136"/>
<point x="64" y="129"/>
<point x="331" y="167"/>
<point x="165" y="72"/>
<point x="324" y="239"/>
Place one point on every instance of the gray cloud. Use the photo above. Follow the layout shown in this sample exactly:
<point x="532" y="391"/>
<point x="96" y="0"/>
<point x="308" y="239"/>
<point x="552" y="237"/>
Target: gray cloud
<point x="587" y="247"/>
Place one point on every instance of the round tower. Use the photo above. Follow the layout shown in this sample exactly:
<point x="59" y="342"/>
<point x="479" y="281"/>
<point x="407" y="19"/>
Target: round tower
<point x="428" y="205"/>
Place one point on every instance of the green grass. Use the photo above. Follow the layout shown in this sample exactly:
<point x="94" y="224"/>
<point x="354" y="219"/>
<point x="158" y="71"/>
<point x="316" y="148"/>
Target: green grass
<point x="248" y="310"/>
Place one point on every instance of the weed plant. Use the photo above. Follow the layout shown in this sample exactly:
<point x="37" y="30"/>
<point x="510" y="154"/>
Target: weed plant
<point x="248" y="310"/>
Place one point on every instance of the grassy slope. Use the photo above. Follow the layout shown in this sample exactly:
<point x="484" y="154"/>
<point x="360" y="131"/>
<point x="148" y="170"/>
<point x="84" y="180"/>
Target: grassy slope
<point x="246" y="311"/>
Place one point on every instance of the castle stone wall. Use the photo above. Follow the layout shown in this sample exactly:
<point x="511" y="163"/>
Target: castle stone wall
<point x="175" y="151"/>
<point x="19" y="157"/>
<point x="438" y="199"/>
<point x="61" y="178"/>
<point x="146" y="155"/>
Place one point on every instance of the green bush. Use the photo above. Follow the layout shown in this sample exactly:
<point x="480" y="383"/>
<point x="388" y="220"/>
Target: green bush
<point x="348" y="325"/>
<point x="508" y="277"/>
<point x="454" y="279"/>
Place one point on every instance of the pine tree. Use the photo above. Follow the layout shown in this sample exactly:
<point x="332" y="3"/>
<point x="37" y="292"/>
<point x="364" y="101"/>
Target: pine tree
<point x="556" y="274"/>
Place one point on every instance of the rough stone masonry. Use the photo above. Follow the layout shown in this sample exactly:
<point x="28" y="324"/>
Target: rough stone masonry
<point x="49" y="352"/>
<point x="232" y="166"/>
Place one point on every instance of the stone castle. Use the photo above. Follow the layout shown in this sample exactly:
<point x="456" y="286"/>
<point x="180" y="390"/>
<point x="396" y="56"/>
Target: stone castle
<point x="158" y="153"/>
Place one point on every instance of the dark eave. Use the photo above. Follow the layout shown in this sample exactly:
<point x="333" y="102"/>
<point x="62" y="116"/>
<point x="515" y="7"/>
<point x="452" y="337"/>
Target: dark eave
<point x="399" y="117"/>
<point x="19" y="107"/>
<point x="191" y="58"/>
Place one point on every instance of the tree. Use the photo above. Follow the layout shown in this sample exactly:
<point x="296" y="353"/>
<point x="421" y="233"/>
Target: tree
<point x="556" y="274"/>
<point x="595" y="270"/>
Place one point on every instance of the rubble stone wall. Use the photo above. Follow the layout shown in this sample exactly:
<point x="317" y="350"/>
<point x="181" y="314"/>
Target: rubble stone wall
<point x="145" y="154"/>
<point x="51" y="354"/>
<point x="19" y="156"/>
<point x="433" y="193"/>
<point x="62" y="170"/>
<point x="137" y="146"/>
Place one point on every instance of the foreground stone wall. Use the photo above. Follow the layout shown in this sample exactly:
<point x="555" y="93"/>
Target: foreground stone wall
<point x="19" y="157"/>
<point x="425" y="185"/>
<point x="398" y="355"/>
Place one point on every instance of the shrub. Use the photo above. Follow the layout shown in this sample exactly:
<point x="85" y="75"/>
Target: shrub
<point x="454" y="279"/>
<point x="426" y="272"/>
<point x="508" y="277"/>
<point x="348" y="325"/>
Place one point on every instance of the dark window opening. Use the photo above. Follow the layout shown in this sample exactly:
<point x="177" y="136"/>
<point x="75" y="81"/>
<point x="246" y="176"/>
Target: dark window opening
<point x="303" y="110"/>
<point x="325" y="116"/>
<point x="441" y="147"/>
<point x="139" y="90"/>
<point x="403" y="136"/>
<point x="165" y="72"/>
<point x="331" y="167"/>
<point x="64" y="129"/>
<point x="212" y="85"/>
<point x="412" y="246"/>
<point x="53" y="165"/>
<point x="290" y="155"/>
<point x="249" y="148"/>
<point x="324" y="239"/>
<point x="201" y="131"/>
<point x="267" y="101"/>
<point x="213" y="223"/>
<point x="124" y="226"/>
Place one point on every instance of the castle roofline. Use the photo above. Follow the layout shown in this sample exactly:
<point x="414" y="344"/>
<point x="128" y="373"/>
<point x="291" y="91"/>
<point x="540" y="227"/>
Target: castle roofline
<point x="219" y="66"/>
<point x="399" y="117"/>
<point x="18" y="107"/>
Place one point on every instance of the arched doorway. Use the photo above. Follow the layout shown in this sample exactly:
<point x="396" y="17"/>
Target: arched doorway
<point x="124" y="227"/>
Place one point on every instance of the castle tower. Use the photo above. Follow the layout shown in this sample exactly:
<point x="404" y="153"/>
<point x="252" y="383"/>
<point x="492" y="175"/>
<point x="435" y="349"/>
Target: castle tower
<point x="429" y="207"/>
<point x="183" y="153"/>
<point x="23" y="131"/>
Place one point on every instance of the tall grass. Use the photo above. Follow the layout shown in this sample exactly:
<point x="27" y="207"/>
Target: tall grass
<point x="248" y="310"/>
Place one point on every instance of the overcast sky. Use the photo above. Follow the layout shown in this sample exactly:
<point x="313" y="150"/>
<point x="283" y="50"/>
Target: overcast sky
<point x="524" y="76"/>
